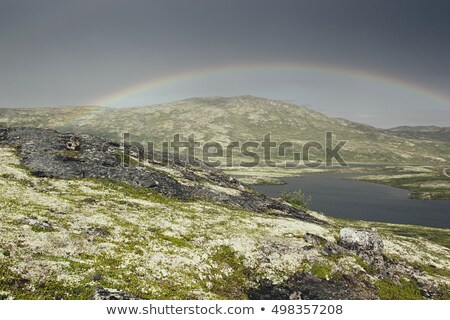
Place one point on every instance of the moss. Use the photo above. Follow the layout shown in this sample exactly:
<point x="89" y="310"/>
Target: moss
<point x="304" y="266"/>
<point x="73" y="266"/>
<point x="443" y="292"/>
<point x="370" y="269"/>
<point x="438" y="236"/>
<point x="404" y="289"/>
<point x="130" y="232"/>
<point x="56" y="290"/>
<point x="71" y="155"/>
<point x="321" y="270"/>
<point x="41" y="229"/>
<point x="20" y="167"/>
<point x="133" y="192"/>
<point x="22" y="288"/>
<point x="431" y="270"/>
<point x="170" y="290"/>
<point x="179" y="242"/>
<point x="7" y="176"/>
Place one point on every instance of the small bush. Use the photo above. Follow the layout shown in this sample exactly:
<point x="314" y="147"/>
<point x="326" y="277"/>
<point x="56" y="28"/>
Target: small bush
<point x="296" y="198"/>
<point x="230" y="277"/>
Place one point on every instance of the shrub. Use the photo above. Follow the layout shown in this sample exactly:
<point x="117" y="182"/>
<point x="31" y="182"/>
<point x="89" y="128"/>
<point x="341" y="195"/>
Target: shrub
<point x="296" y="198"/>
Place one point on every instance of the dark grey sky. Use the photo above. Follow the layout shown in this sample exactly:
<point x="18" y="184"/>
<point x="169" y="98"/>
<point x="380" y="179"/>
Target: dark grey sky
<point x="76" y="52"/>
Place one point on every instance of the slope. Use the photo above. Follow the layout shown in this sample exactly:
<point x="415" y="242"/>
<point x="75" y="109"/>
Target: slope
<point x="242" y="119"/>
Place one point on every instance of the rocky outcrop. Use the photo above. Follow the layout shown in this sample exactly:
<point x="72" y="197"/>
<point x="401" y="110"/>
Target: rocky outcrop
<point x="48" y="153"/>
<point x="365" y="243"/>
<point x="361" y="240"/>
<point x="304" y="286"/>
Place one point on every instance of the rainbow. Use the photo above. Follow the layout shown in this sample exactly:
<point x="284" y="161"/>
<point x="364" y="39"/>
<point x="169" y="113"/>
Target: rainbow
<point x="121" y="95"/>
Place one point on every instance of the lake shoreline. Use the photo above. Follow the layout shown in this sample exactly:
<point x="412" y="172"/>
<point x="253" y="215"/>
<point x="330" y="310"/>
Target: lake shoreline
<point x="341" y="195"/>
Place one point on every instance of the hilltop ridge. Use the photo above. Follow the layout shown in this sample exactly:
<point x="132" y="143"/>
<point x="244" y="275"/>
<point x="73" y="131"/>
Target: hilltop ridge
<point x="243" y="118"/>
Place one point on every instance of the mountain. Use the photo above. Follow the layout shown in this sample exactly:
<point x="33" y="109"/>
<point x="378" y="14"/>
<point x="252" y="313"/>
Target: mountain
<point x="243" y="118"/>
<point x="422" y="132"/>
<point x="78" y="223"/>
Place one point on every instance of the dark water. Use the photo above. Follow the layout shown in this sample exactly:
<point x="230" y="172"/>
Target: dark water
<point x="359" y="200"/>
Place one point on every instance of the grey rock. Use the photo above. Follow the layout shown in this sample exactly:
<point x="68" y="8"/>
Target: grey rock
<point x="113" y="294"/>
<point x="361" y="240"/>
<point x="314" y="239"/>
<point x="97" y="232"/>
<point x="73" y="144"/>
<point x="365" y="243"/>
<point x="42" y="225"/>
<point x="327" y="248"/>
<point x="303" y="286"/>
<point x="331" y="249"/>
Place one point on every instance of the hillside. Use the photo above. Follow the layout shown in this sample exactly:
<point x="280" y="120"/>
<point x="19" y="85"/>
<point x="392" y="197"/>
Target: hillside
<point x="422" y="132"/>
<point x="244" y="118"/>
<point x="76" y="224"/>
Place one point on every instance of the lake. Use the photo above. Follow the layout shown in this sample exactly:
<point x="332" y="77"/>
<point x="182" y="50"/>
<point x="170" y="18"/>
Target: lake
<point x="359" y="200"/>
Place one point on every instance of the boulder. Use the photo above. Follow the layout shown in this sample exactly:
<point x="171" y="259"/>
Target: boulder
<point x="73" y="144"/>
<point x="113" y="294"/>
<point x="367" y="244"/>
<point x="361" y="240"/>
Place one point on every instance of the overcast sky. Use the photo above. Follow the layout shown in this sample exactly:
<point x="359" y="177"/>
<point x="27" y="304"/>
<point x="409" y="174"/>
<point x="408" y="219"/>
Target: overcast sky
<point x="66" y="52"/>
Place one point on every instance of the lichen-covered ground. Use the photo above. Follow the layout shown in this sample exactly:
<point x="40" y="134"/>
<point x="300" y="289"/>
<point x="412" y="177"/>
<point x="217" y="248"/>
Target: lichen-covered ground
<point x="62" y="239"/>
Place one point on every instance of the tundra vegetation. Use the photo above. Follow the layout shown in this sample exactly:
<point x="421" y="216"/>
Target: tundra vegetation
<point x="193" y="233"/>
<point x="66" y="238"/>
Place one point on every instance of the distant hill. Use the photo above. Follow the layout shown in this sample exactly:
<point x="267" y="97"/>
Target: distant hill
<point x="422" y="132"/>
<point x="225" y="119"/>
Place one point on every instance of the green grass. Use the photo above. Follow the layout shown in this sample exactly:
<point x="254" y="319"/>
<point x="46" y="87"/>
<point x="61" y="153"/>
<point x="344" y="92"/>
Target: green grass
<point x="431" y="184"/>
<point x="181" y="242"/>
<point x="321" y="270"/>
<point x="134" y="192"/>
<point x="44" y="289"/>
<point x="370" y="269"/>
<point x="431" y="270"/>
<point x="435" y="235"/>
<point x="404" y="289"/>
